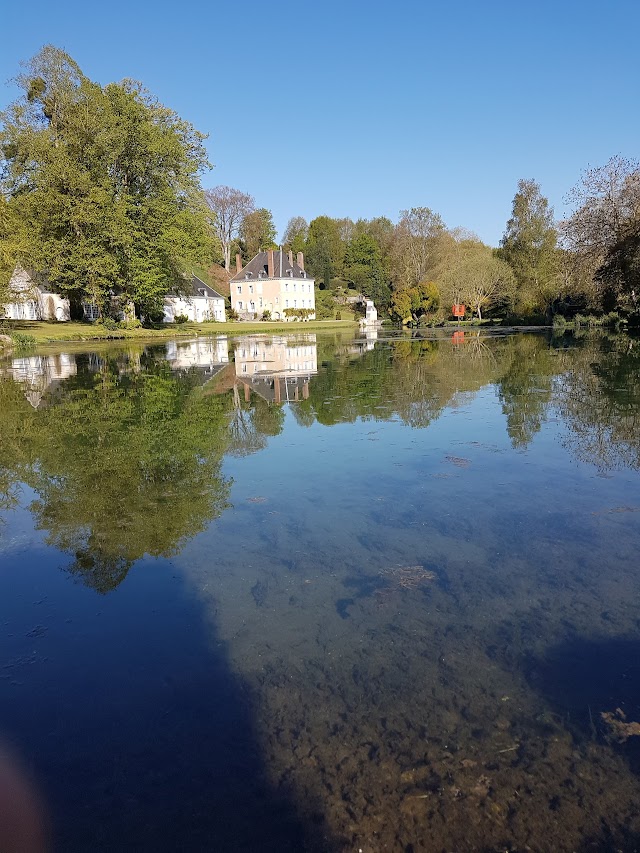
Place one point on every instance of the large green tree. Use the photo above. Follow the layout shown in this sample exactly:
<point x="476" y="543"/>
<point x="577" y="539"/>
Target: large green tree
<point x="363" y="267"/>
<point x="529" y="246"/>
<point x="104" y="182"/>
<point x="324" y="249"/>
<point x="257" y="232"/>
<point x="295" y="234"/>
<point x="418" y="246"/>
<point x="473" y="275"/>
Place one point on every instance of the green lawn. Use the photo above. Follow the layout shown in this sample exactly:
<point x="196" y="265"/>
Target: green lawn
<point x="52" y="332"/>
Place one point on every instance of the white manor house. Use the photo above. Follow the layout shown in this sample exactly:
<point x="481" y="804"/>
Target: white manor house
<point x="272" y="281"/>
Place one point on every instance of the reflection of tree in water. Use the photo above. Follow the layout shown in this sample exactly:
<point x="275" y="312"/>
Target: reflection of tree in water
<point x="14" y="410"/>
<point x="525" y="386"/>
<point x="123" y="466"/>
<point x="600" y="402"/>
<point x="417" y="379"/>
<point x="244" y="437"/>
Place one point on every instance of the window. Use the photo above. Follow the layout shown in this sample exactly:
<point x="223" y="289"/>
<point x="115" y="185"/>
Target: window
<point x="250" y="288"/>
<point x="240" y="305"/>
<point x="295" y="303"/>
<point x="286" y="303"/>
<point x="286" y="285"/>
<point x="276" y="300"/>
<point x="239" y="288"/>
<point x="295" y="286"/>
<point x="253" y="306"/>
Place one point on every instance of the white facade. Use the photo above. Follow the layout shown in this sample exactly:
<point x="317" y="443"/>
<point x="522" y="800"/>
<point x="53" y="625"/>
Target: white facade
<point x="197" y="309"/>
<point x="276" y="356"/>
<point x="36" y="373"/>
<point x="30" y="302"/>
<point x="201" y="353"/>
<point x="203" y="304"/>
<point x="273" y="282"/>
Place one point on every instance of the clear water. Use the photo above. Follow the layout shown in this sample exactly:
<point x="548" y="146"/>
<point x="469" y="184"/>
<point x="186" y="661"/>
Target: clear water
<point x="323" y="593"/>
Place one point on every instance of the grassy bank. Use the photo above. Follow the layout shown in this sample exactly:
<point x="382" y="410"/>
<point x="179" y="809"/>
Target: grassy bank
<point x="51" y="332"/>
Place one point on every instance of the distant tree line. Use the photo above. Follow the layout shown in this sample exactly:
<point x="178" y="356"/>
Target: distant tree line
<point x="102" y="197"/>
<point x="415" y="270"/>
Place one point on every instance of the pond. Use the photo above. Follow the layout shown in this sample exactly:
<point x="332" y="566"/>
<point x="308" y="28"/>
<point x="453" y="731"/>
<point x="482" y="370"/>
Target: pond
<point x="325" y="593"/>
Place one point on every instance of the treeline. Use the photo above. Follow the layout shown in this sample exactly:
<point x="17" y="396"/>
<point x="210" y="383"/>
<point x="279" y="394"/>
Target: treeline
<point x="417" y="268"/>
<point x="102" y="197"/>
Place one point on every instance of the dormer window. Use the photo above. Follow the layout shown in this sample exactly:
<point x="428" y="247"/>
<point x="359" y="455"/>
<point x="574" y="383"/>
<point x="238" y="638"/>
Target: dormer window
<point x="290" y="273"/>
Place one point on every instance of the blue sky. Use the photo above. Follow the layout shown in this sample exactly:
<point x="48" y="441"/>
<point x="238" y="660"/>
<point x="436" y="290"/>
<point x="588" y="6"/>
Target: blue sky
<point x="356" y="109"/>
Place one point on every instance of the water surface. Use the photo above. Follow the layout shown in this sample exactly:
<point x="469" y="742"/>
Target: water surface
<point x="324" y="593"/>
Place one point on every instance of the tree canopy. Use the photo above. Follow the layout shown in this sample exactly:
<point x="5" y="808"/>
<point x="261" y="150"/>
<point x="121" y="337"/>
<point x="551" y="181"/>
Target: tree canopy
<point x="529" y="246"/>
<point x="104" y="183"/>
<point x="604" y="229"/>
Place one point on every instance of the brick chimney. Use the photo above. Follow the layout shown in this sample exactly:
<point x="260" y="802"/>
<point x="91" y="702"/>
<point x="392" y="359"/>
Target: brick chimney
<point x="238" y="263"/>
<point x="271" y="271"/>
<point x="301" y="260"/>
<point x="290" y="258"/>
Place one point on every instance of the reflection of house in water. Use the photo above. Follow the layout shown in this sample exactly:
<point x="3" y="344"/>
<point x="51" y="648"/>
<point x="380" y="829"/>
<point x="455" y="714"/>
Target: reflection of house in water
<point x="40" y="373"/>
<point x="357" y="347"/>
<point x="208" y="356"/>
<point x="277" y="368"/>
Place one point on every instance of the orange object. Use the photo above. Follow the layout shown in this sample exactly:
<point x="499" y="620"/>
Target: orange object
<point x="458" y="310"/>
<point x="457" y="338"/>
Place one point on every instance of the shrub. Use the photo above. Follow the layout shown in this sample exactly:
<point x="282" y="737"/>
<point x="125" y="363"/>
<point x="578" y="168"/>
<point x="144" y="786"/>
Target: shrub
<point x="266" y="315"/>
<point x="21" y="340"/>
<point x="180" y="318"/>
<point x="130" y="324"/>
<point x="109" y="323"/>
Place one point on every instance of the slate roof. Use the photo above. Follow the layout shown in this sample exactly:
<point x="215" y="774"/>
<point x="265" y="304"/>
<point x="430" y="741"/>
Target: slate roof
<point x="281" y="265"/>
<point x="197" y="286"/>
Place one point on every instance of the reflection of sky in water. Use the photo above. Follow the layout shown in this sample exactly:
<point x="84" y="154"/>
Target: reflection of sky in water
<point x="285" y="682"/>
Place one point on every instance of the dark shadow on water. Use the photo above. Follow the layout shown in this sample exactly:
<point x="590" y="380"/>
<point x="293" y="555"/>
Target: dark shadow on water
<point x="585" y="678"/>
<point x="143" y="739"/>
<point x="618" y="840"/>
